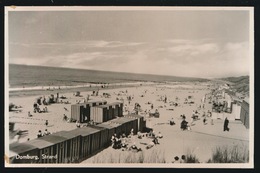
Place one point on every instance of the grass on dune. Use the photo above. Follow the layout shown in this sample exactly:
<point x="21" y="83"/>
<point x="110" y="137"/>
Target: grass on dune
<point x="230" y="154"/>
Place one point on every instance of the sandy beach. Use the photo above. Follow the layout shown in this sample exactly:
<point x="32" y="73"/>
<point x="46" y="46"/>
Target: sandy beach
<point x="200" y="140"/>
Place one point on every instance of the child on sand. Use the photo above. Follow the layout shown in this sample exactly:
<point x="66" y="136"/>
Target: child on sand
<point x="160" y="135"/>
<point x="139" y="135"/>
<point x="77" y="124"/>
<point x="183" y="159"/>
<point x="46" y="123"/>
<point x="65" y="118"/>
<point x="46" y="132"/>
<point x="172" y="122"/>
<point x="176" y="160"/>
<point x="29" y="114"/>
<point x="39" y="134"/>
<point x="204" y="120"/>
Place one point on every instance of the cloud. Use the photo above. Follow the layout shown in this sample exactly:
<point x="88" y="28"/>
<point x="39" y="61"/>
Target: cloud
<point x="94" y="43"/>
<point x="194" y="58"/>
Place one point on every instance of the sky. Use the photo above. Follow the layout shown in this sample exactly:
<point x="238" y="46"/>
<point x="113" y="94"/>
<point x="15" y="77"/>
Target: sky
<point x="190" y="43"/>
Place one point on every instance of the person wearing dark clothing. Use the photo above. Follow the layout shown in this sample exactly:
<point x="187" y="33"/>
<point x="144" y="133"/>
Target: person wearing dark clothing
<point x="184" y="125"/>
<point x="204" y="120"/>
<point x="46" y="122"/>
<point x="183" y="159"/>
<point x="155" y="141"/>
<point x="29" y="114"/>
<point x="172" y="122"/>
<point x="39" y="134"/>
<point x="176" y="159"/>
<point x="226" y="122"/>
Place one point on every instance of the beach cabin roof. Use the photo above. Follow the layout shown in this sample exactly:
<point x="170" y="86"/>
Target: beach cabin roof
<point x="66" y="134"/>
<point x="121" y="120"/>
<point x="110" y="123"/>
<point x="53" y="138"/>
<point x="103" y="101"/>
<point x="97" y="127"/>
<point x="103" y="106"/>
<point x="104" y="125"/>
<point x="84" y="131"/>
<point x="18" y="148"/>
<point x="134" y="115"/>
<point x="39" y="143"/>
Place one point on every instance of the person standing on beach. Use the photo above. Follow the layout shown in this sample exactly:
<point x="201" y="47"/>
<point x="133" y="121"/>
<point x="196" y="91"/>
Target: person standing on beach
<point x="204" y="120"/>
<point x="57" y="98"/>
<point x="165" y="99"/>
<point x="46" y="123"/>
<point x="226" y="122"/>
<point x="29" y="114"/>
<point x="210" y="116"/>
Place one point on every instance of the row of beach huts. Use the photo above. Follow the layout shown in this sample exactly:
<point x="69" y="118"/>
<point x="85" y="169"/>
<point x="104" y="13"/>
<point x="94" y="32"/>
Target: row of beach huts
<point x="98" y="112"/>
<point x="75" y="145"/>
<point x="81" y="143"/>
<point x="239" y="108"/>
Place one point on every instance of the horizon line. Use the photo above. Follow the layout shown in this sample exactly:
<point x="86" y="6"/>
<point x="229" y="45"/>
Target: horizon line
<point x="74" y="68"/>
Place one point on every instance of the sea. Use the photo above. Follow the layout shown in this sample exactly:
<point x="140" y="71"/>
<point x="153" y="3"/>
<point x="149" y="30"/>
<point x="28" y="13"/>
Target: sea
<point x="26" y="76"/>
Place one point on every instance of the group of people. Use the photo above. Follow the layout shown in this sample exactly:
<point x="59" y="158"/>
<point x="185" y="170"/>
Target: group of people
<point x="123" y="143"/>
<point x="36" y="108"/>
<point x="119" y="142"/>
<point x="41" y="134"/>
<point x="184" y="124"/>
<point x="204" y="116"/>
<point x="182" y="159"/>
<point x="154" y="139"/>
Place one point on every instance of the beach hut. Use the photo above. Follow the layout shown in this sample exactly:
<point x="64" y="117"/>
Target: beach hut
<point x="126" y="124"/>
<point x="104" y="135"/>
<point x="52" y="145"/>
<point x="80" y="112"/>
<point x="115" y="127"/>
<point x="73" y="146"/>
<point x="229" y="106"/>
<point x="244" y="113"/>
<point x="111" y="130"/>
<point x="97" y="103"/>
<point x="11" y="126"/>
<point x="140" y="121"/>
<point x="23" y="153"/>
<point x="117" y="109"/>
<point x="236" y="110"/>
<point x="90" y="141"/>
<point x="101" y="113"/>
<point x="45" y="148"/>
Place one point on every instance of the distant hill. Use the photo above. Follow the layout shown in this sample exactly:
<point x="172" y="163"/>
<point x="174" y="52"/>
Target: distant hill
<point x="241" y="79"/>
<point x="239" y="84"/>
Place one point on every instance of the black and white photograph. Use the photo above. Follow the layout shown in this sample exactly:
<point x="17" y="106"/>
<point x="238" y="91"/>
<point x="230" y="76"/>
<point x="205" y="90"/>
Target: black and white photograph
<point x="126" y="86"/>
